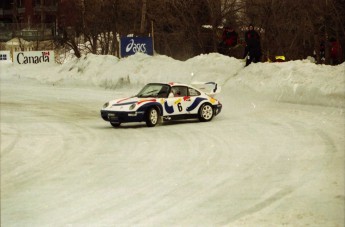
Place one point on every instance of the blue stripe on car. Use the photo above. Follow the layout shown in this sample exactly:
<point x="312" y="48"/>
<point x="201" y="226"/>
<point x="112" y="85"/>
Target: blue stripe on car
<point x="168" y="109"/>
<point x="149" y="104"/>
<point x="195" y="103"/>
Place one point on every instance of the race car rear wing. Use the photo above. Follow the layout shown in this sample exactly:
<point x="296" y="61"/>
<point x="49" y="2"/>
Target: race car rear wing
<point x="210" y="88"/>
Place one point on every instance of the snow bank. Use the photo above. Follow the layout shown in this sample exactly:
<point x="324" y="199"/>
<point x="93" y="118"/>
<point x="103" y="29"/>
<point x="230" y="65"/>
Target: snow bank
<point x="294" y="81"/>
<point x="297" y="82"/>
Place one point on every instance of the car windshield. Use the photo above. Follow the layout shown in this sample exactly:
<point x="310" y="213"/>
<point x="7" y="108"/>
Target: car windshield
<point x="154" y="90"/>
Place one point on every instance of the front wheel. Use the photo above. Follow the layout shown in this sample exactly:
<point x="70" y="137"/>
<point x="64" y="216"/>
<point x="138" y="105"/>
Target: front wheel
<point x="152" y="117"/>
<point x="115" y="124"/>
<point x="206" y="112"/>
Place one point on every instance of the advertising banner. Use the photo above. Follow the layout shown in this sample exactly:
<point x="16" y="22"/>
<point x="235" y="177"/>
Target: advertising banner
<point x="5" y="57"/>
<point x="33" y="57"/>
<point x="132" y="45"/>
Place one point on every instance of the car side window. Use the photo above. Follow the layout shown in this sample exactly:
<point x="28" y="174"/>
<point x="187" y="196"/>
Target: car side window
<point x="184" y="91"/>
<point x="179" y="91"/>
<point x="174" y="91"/>
<point x="193" y="92"/>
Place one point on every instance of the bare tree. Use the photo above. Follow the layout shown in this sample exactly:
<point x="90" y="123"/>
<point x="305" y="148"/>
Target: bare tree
<point x="70" y="26"/>
<point x="295" y="28"/>
<point x="291" y="28"/>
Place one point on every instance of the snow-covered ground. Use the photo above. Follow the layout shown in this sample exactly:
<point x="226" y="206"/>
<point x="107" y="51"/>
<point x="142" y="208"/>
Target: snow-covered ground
<point x="273" y="157"/>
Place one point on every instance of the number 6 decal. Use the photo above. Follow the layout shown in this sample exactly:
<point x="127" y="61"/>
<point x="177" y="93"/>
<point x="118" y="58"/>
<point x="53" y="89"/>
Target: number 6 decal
<point x="179" y="106"/>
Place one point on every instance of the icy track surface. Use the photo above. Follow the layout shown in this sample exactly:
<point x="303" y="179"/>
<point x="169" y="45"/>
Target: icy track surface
<point x="259" y="163"/>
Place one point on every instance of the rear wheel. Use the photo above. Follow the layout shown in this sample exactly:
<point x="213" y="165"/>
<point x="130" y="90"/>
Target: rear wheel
<point x="206" y="112"/>
<point x="115" y="124"/>
<point x="152" y="117"/>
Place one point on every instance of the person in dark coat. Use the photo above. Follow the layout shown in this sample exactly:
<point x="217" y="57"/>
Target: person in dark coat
<point x="253" y="46"/>
<point x="322" y="50"/>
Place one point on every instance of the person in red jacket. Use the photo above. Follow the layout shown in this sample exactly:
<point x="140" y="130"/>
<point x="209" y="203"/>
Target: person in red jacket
<point x="335" y="53"/>
<point x="229" y="39"/>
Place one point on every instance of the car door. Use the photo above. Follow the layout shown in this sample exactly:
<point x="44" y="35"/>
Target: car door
<point x="178" y="101"/>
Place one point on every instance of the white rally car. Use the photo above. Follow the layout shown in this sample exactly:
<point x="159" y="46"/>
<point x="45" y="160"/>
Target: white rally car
<point x="165" y="101"/>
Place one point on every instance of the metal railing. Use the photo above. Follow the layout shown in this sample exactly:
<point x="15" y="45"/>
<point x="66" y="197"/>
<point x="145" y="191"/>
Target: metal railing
<point x="29" y="32"/>
<point x="51" y="8"/>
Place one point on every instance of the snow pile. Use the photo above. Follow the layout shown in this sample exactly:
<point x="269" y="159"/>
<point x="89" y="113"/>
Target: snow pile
<point x="298" y="82"/>
<point x="294" y="81"/>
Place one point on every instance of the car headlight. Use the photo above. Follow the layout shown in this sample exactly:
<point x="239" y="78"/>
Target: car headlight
<point x="132" y="106"/>
<point x="106" y="105"/>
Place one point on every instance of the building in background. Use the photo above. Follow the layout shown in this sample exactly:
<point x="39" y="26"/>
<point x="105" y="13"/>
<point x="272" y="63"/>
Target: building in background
<point x="32" y="20"/>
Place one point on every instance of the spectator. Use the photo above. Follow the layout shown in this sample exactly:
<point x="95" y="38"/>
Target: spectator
<point x="253" y="47"/>
<point x="322" y="50"/>
<point x="335" y="53"/>
<point x="229" y="39"/>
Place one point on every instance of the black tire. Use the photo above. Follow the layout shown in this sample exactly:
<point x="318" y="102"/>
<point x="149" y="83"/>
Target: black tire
<point x="115" y="124"/>
<point x="152" y="117"/>
<point x="206" y="112"/>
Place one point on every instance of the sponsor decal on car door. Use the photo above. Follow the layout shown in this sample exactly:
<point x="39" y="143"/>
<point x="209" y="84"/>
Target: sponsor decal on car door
<point x="179" y="105"/>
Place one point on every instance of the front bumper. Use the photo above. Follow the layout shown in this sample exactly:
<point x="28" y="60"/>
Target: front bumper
<point x="217" y="109"/>
<point x="116" y="116"/>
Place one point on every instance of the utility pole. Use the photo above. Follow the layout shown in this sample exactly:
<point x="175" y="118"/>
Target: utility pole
<point x="327" y="44"/>
<point x="143" y="17"/>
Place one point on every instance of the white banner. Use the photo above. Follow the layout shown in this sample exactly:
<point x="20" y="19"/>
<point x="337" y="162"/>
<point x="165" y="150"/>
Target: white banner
<point x="33" y="57"/>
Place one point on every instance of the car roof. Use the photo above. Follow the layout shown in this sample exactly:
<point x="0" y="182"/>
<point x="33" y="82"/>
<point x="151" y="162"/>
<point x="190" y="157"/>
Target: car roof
<point x="171" y="84"/>
<point x="174" y="84"/>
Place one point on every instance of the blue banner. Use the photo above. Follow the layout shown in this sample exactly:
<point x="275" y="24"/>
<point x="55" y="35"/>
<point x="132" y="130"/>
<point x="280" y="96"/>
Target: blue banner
<point x="132" y="45"/>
